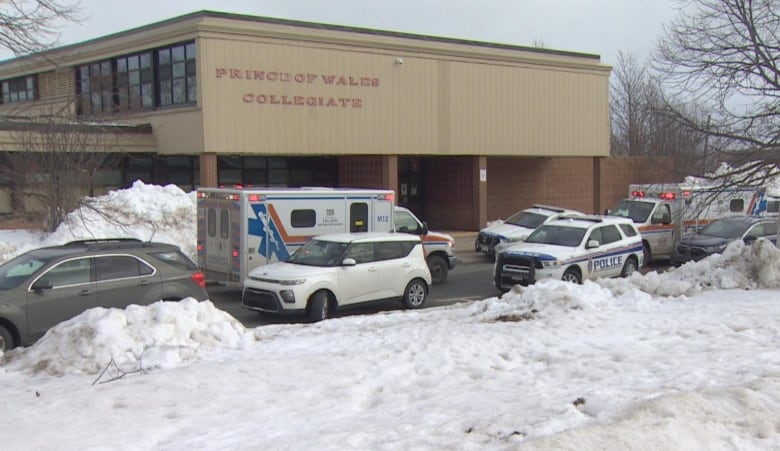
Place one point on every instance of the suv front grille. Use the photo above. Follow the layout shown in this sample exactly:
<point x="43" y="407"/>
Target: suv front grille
<point x="515" y="269"/>
<point x="263" y="300"/>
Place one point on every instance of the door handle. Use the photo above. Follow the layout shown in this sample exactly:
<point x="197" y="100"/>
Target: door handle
<point x="143" y="283"/>
<point x="85" y="292"/>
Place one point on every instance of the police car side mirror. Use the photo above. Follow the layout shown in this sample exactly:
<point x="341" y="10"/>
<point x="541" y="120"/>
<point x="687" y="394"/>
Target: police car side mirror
<point x="349" y="261"/>
<point x="592" y="243"/>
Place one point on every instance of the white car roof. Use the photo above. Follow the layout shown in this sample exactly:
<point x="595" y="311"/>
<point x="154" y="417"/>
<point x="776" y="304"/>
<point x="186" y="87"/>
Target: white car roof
<point x="368" y="237"/>
<point x="586" y="221"/>
<point x="551" y="210"/>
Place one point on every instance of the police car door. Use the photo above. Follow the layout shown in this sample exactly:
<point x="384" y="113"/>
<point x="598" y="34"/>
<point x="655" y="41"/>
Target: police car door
<point x="608" y="258"/>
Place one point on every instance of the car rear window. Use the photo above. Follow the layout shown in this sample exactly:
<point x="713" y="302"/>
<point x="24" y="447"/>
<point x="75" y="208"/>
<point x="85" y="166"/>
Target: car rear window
<point x="175" y="259"/>
<point x="628" y="230"/>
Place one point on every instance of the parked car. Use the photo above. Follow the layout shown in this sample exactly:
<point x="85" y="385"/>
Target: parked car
<point x="504" y="233"/>
<point x="715" y="236"/>
<point x="571" y="249"/>
<point x="341" y="269"/>
<point x="45" y="286"/>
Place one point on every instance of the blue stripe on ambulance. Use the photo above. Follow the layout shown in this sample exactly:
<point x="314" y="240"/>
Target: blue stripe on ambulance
<point x="257" y="227"/>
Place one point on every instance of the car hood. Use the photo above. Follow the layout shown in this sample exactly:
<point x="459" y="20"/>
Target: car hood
<point x="288" y="271"/>
<point x="541" y="251"/>
<point x="705" y="241"/>
<point x="505" y="230"/>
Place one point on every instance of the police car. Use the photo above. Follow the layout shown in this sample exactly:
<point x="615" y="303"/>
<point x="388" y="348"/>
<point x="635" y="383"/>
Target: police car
<point x="501" y="234"/>
<point x="572" y="249"/>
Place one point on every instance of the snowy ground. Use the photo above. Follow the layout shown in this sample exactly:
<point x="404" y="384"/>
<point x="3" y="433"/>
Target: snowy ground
<point x="682" y="360"/>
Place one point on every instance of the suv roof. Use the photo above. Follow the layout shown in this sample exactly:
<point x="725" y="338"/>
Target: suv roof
<point x="368" y="237"/>
<point x="585" y="221"/>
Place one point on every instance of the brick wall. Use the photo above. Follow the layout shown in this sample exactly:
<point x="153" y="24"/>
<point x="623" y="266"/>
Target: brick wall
<point x="362" y="172"/>
<point x="449" y="193"/>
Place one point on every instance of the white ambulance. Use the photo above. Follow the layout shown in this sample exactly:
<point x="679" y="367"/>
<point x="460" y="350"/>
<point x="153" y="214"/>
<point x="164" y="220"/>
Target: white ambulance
<point x="240" y="229"/>
<point x="664" y="212"/>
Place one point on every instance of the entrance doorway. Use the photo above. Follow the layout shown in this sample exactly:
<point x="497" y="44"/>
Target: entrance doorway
<point x="410" y="184"/>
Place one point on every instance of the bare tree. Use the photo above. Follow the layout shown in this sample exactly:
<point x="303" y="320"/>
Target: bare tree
<point x="725" y="54"/>
<point x="55" y="163"/>
<point x="29" y="26"/>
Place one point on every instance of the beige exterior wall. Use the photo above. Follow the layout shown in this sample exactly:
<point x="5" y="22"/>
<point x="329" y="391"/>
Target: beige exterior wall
<point x="275" y="96"/>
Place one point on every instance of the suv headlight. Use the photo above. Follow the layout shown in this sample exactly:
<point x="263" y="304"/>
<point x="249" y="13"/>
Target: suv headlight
<point x="551" y="264"/>
<point x="292" y="282"/>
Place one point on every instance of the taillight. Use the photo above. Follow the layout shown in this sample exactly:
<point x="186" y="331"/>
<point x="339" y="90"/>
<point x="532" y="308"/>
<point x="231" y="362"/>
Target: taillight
<point x="235" y="253"/>
<point x="199" y="279"/>
<point x="200" y="247"/>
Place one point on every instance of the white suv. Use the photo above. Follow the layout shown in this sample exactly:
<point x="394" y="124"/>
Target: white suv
<point x="504" y="233"/>
<point x="571" y="249"/>
<point x="334" y="270"/>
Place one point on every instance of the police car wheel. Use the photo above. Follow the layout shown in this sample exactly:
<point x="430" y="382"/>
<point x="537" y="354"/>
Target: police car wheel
<point x="629" y="267"/>
<point x="571" y="275"/>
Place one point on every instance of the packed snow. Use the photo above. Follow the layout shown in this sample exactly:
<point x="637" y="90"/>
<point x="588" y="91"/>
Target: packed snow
<point x="684" y="359"/>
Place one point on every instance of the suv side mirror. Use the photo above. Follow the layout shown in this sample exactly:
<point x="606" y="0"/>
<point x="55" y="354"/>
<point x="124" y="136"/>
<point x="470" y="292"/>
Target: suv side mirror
<point x="424" y="228"/>
<point x="592" y="243"/>
<point x="750" y="239"/>
<point x="41" y="285"/>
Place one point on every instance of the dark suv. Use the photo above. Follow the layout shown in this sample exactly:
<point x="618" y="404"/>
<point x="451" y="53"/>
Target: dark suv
<point x="715" y="236"/>
<point x="45" y="286"/>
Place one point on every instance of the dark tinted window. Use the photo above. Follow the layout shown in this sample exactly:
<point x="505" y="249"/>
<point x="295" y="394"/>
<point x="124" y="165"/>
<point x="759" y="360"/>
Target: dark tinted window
<point x="224" y="224"/>
<point x="736" y="205"/>
<point x="212" y="222"/>
<point x="119" y="267"/>
<point x="358" y="217"/>
<point x="628" y="230"/>
<point x="393" y="249"/>
<point x="361" y="252"/>
<point x="610" y="234"/>
<point x="303" y="218"/>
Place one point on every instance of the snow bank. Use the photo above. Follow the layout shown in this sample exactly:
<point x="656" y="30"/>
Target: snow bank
<point x="159" y="335"/>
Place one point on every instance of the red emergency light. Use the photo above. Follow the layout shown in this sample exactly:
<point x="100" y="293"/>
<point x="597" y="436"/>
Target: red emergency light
<point x="638" y="193"/>
<point x="235" y="253"/>
<point x="389" y="196"/>
<point x="253" y="198"/>
<point x="667" y="196"/>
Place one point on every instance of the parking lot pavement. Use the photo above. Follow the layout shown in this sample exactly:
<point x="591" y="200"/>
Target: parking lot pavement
<point x="464" y="247"/>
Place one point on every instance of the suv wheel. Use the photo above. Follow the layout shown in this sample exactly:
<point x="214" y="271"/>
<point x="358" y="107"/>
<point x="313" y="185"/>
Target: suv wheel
<point x="415" y="294"/>
<point x="572" y="275"/>
<point x="6" y="339"/>
<point x="438" y="268"/>
<point x="318" y="307"/>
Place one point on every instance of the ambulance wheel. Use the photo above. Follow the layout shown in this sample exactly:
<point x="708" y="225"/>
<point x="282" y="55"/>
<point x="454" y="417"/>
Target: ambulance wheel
<point x="415" y="293"/>
<point x="572" y="275"/>
<point x="646" y="254"/>
<point x="318" y="307"/>
<point x="629" y="267"/>
<point x="438" y="268"/>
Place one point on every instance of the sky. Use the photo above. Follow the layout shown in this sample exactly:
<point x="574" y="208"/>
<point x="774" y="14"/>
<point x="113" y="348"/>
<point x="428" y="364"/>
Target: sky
<point x="683" y="359"/>
<point x="599" y="27"/>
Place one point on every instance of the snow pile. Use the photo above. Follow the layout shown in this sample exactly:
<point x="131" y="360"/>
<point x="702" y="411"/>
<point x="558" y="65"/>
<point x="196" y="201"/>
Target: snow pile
<point x="146" y="212"/>
<point x="160" y="335"/>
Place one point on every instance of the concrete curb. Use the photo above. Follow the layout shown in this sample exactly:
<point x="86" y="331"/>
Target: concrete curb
<point x="464" y="248"/>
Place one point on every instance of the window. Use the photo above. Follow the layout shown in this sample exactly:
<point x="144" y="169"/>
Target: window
<point x="212" y="222"/>
<point x="392" y="250"/>
<point x="177" y="83"/>
<point x="361" y="252"/>
<point x="176" y="259"/>
<point x="628" y="230"/>
<point x="224" y="224"/>
<point x="736" y="205"/>
<point x="610" y="234"/>
<point x="134" y="81"/>
<point x="661" y="215"/>
<point x="22" y="89"/>
<point x="277" y="171"/>
<point x="95" y="88"/>
<point x="405" y="223"/>
<point x="71" y="272"/>
<point x="120" y="267"/>
<point x="358" y="217"/>
<point x="303" y="218"/>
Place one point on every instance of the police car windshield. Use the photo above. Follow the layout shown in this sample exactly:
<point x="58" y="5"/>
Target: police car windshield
<point x="637" y="210"/>
<point x="319" y="253"/>
<point x="557" y="235"/>
<point x="526" y="219"/>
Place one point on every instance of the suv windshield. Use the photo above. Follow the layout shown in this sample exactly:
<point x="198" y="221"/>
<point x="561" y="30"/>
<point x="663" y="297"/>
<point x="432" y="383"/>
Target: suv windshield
<point x="319" y="253"/>
<point x="725" y="229"/>
<point x="637" y="210"/>
<point x="526" y="219"/>
<point x="557" y="235"/>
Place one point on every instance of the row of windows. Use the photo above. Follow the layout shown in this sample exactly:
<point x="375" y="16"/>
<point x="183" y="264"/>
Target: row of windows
<point x="277" y="171"/>
<point x="142" y="81"/>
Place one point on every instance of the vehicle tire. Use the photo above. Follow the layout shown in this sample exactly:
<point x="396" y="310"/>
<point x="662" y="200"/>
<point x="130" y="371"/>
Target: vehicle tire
<point x="318" y="307"/>
<point x="438" y="268"/>
<point x="629" y="267"/>
<point x="6" y="339"/>
<point x="646" y="254"/>
<point x="572" y="275"/>
<point x="415" y="294"/>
